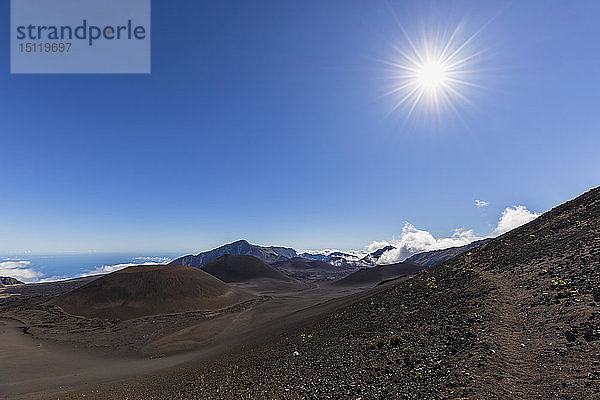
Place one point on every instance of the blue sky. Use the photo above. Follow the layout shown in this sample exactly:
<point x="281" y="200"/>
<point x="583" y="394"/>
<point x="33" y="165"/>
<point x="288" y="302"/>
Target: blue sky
<point x="264" y="120"/>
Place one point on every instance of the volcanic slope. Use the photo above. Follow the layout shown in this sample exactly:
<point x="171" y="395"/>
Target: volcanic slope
<point x="311" y="270"/>
<point x="373" y="275"/>
<point x="435" y="257"/>
<point x="515" y="318"/>
<point x="302" y="264"/>
<point x="234" y="268"/>
<point x="150" y="290"/>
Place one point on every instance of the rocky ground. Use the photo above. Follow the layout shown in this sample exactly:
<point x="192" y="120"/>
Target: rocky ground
<point x="435" y="257"/>
<point x="515" y="318"/>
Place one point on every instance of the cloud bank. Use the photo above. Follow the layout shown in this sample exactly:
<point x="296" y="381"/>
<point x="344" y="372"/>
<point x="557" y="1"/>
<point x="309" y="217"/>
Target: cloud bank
<point x="23" y="269"/>
<point x="20" y="270"/>
<point x="326" y="252"/>
<point x="107" y="269"/>
<point x="413" y="240"/>
<point x="157" y="260"/>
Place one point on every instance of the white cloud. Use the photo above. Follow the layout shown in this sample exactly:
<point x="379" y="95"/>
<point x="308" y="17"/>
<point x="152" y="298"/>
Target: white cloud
<point x="158" y="260"/>
<point x="107" y="269"/>
<point x="512" y="218"/>
<point x="376" y="245"/>
<point x="327" y="252"/>
<point x="413" y="241"/>
<point x="20" y="270"/>
<point x="481" y="203"/>
<point x="55" y="278"/>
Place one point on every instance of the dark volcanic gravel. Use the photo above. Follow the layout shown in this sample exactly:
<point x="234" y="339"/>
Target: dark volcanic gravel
<point x="514" y="318"/>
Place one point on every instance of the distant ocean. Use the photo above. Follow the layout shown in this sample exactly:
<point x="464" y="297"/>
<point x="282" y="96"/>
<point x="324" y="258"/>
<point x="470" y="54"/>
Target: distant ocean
<point x="45" y="267"/>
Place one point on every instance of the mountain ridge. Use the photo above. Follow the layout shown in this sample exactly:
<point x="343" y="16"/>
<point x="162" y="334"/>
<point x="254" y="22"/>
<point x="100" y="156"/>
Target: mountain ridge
<point x="267" y="254"/>
<point x="435" y="257"/>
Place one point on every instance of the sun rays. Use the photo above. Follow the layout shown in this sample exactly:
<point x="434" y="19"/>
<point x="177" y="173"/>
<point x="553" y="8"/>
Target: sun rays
<point x="434" y="74"/>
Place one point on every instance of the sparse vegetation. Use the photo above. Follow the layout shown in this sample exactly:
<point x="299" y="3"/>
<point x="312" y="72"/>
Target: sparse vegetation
<point x="377" y="344"/>
<point x="395" y="340"/>
<point x="431" y="283"/>
<point x="558" y="282"/>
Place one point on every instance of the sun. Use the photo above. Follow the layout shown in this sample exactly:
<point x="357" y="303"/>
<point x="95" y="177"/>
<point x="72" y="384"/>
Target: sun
<point x="433" y="74"/>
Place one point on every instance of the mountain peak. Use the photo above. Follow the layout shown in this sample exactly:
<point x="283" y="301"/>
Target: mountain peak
<point x="241" y="248"/>
<point x="240" y="241"/>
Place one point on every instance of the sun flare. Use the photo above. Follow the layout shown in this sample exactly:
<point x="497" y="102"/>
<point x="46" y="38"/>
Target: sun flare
<point x="434" y="73"/>
<point x="431" y="75"/>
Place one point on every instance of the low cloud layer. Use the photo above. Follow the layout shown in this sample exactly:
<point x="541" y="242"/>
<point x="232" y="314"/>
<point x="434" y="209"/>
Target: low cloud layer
<point x="157" y="260"/>
<point x="413" y="240"/>
<point x="20" y="270"/>
<point x="24" y="271"/>
<point x="326" y="252"/>
<point x="107" y="269"/>
<point x="513" y="217"/>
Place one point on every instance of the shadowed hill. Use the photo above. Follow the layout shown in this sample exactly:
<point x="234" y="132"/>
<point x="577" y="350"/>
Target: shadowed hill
<point x="302" y="264"/>
<point x="241" y="247"/>
<point x="150" y="290"/>
<point x="311" y="270"/>
<point x="435" y="257"/>
<point x="517" y="317"/>
<point x="374" y="275"/>
<point x="7" y="280"/>
<point x="236" y="268"/>
<point x="48" y="288"/>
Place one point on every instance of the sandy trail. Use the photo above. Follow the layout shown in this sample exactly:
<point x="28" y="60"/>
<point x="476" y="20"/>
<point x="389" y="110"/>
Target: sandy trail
<point x="517" y="349"/>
